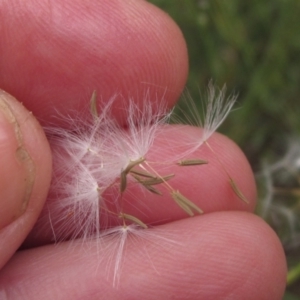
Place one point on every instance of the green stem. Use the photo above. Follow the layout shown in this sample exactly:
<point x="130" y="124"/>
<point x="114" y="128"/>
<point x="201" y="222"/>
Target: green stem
<point x="293" y="275"/>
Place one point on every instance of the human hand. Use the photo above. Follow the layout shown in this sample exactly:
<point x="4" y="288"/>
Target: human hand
<point x="53" y="55"/>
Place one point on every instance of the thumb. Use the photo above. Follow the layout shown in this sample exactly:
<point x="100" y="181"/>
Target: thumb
<point x="25" y="173"/>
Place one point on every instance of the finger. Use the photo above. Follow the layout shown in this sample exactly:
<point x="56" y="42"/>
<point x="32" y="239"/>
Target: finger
<point x="207" y="186"/>
<point x="217" y="256"/>
<point x="25" y="174"/>
<point x="56" y="53"/>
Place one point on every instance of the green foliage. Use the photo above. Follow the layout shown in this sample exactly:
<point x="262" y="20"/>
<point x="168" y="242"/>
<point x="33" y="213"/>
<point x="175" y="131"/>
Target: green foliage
<point x="254" y="48"/>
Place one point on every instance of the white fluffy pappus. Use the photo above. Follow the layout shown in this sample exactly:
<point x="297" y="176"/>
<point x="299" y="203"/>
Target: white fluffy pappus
<point x="95" y="162"/>
<point x="143" y="241"/>
<point x="89" y="160"/>
<point x="280" y="187"/>
<point x="215" y="107"/>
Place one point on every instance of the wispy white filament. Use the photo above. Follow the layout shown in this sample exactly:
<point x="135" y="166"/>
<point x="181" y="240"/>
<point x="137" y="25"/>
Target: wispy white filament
<point x="281" y="187"/>
<point x="90" y="161"/>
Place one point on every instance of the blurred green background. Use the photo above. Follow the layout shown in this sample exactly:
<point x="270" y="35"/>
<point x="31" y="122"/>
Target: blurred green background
<point x="253" y="47"/>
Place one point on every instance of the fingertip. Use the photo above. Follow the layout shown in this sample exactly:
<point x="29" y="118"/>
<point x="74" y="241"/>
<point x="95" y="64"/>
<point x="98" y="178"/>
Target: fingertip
<point x="222" y="255"/>
<point x="250" y="251"/>
<point x="26" y="173"/>
<point x="236" y="167"/>
<point x="207" y="185"/>
<point x="211" y="183"/>
<point x="232" y="255"/>
<point x="120" y="49"/>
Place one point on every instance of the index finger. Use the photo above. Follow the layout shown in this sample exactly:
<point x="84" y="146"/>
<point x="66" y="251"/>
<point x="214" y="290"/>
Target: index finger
<point x="55" y="53"/>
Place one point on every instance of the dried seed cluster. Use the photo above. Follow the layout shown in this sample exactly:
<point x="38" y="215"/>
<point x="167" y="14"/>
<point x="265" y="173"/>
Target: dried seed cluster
<point x="96" y="164"/>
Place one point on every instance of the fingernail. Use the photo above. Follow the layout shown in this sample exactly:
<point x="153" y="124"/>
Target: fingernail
<point x="17" y="170"/>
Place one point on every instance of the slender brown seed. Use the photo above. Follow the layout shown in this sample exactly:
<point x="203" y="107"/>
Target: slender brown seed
<point x="192" y="162"/>
<point x="133" y="219"/>
<point x="157" y="180"/>
<point x="238" y="191"/>
<point x="133" y="164"/>
<point x="124" y="173"/>
<point x="182" y="199"/>
<point x="142" y="173"/>
<point x="148" y="187"/>
<point x="182" y="205"/>
<point x="152" y="190"/>
<point x="123" y="183"/>
<point x="93" y="105"/>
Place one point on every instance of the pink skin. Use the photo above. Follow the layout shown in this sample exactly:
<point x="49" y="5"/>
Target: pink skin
<point x="220" y="255"/>
<point x="204" y="182"/>
<point x="53" y="55"/>
<point x="104" y="45"/>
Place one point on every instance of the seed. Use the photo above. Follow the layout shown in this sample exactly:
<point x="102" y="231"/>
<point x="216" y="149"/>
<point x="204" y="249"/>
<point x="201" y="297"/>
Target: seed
<point x="192" y="162"/>
<point x="157" y="180"/>
<point x="93" y="105"/>
<point x="185" y="203"/>
<point x="124" y="173"/>
<point x="152" y="189"/>
<point x="123" y="184"/>
<point x="238" y="191"/>
<point x="142" y="173"/>
<point x="133" y="219"/>
<point x="133" y="164"/>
